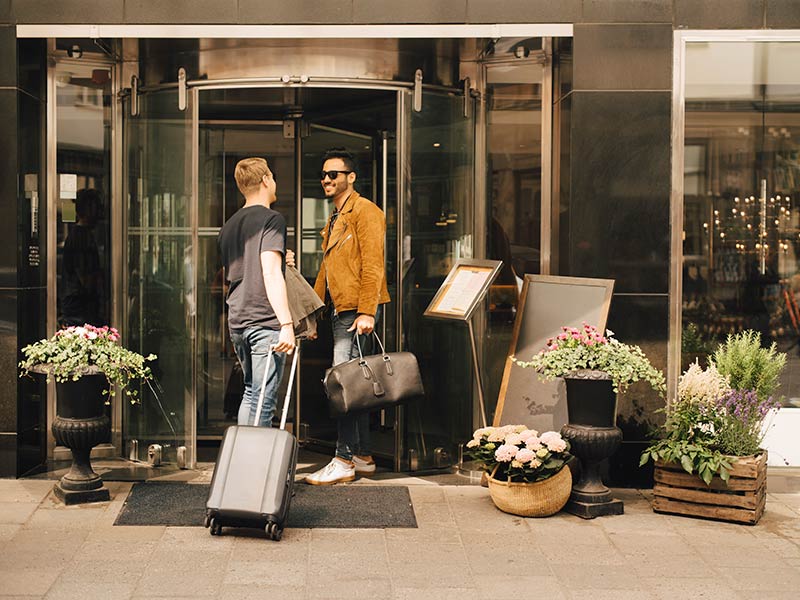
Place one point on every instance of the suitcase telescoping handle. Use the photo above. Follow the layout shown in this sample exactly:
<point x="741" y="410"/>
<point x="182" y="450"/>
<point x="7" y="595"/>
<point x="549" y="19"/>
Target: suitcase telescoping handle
<point x="286" y="401"/>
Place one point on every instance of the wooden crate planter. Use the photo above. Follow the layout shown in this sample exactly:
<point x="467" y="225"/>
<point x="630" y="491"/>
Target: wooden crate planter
<point x="740" y="500"/>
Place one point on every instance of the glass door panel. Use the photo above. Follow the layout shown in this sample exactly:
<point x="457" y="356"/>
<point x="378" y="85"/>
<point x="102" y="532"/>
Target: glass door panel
<point x="437" y="230"/>
<point x="316" y="423"/>
<point x="365" y="123"/>
<point x="83" y="222"/>
<point x="514" y="184"/>
<point x="222" y="144"/>
<point x="159" y="295"/>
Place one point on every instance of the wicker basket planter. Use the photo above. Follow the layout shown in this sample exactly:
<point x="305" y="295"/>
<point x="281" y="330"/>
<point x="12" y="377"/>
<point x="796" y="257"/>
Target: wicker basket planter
<point x="740" y="500"/>
<point x="538" y="499"/>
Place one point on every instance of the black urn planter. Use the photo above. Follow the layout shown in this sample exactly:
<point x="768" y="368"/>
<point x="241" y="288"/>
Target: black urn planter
<point x="593" y="437"/>
<point x="81" y="424"/>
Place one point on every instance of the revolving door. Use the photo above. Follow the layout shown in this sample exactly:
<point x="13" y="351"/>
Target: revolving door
<point x="180" y="148"/>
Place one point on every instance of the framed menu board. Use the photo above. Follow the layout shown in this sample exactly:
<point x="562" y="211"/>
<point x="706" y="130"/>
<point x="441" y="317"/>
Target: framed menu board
<point x="546" y="304"/>
<point x="463" y="289"/>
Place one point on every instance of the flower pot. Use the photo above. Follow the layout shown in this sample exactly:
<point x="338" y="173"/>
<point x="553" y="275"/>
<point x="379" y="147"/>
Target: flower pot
<point x="81" y="424"/>
<point x="537" y="499"/>
<point x="593" y="437"/>
<point x="591" y="399"/>
<point x="741" y="499"/>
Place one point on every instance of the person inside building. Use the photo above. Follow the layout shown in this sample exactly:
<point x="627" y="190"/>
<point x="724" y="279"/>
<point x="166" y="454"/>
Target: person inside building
<point x="82" y="274"/>
<point x="252" y="245"/>
<point x="352" y="282"/>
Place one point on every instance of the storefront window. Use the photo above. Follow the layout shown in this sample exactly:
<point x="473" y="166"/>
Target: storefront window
<point x="83" y="133"/>
<point x="741" y="193"/>
<point x="514" y="160"/>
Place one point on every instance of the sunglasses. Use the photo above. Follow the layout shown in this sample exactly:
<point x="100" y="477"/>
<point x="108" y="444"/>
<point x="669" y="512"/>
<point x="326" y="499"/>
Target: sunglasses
<point x="331" y="174"/>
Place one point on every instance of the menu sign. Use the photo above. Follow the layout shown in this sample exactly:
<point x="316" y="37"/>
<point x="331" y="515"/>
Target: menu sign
<point x="463" y="289"/>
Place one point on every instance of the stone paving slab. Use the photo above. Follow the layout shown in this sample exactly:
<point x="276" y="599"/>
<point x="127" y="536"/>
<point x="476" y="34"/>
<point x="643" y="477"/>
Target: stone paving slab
<point x="464" y="547"/>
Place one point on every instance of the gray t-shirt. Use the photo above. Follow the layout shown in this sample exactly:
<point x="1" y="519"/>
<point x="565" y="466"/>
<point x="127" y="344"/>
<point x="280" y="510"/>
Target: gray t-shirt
<point x="248" y="233"/>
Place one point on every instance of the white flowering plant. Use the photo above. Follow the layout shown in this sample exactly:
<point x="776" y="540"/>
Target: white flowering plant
<point x="576" y="349"/>
<point x="82" y="350"/>
<point x="518" y="454"/>
<point x="711" y="421"/>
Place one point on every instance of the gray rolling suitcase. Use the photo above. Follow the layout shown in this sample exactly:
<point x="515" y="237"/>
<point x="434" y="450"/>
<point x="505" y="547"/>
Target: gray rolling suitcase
<point x="254" y="474"/>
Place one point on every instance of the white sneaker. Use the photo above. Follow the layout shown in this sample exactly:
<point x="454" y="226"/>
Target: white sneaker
<point x="336" y="471"/>
<point x="364" y="467"/>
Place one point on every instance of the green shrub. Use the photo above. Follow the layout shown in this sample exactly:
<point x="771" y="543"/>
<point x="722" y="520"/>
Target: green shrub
<point x="747" y="365"/>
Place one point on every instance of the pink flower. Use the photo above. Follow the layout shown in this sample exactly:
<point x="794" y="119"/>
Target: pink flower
<point x="506" y="453"/>
<point x="533" y="443"/>
<point x="527" y="434"/>
<point x="553" y="441"/>
<point x="525" y="455"/>
<point x="556" y="445"/>
<point x="590" y="342"/>
<point x="496" y="436"/>
<point x="513" y="439"/>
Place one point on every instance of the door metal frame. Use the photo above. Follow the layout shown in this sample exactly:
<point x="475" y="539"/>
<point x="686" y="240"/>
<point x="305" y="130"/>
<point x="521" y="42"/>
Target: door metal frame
<point x="54" y="59"/>
<point x="680" y="39"/>
<point x="403" y="107"/>
<point x="259" y="83"/>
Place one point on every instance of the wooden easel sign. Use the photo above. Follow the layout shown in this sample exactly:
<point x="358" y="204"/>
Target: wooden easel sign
<point x="546" y="304"/>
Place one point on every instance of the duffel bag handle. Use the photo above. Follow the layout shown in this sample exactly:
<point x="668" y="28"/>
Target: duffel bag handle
<point x="380" y="343"/>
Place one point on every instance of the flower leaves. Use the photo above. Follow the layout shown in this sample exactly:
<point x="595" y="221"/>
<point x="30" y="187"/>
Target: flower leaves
<point x="516" y="453"/>
<point x="577" y="349"/>
<point x="720" y="411"/>
<point x="76" y="351"/>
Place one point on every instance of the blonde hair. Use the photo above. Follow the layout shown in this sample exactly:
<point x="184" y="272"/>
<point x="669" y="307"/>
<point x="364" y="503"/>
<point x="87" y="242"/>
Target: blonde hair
<point x="248" y="174"/>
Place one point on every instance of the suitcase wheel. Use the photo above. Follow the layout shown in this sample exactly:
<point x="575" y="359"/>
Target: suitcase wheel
<point x="216" y="528"/>
<point x="273" y="532"/>
<point x="207" y="521"/>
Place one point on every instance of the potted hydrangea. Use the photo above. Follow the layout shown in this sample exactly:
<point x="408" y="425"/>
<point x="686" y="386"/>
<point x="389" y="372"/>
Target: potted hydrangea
<point x="709" y="460"/>
<point x="595" y="366"/>
<point x="526" y="471"/>
<point x="86" y="363"/>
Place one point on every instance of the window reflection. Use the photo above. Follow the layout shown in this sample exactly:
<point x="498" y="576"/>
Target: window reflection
<point x="513" y="140"/>
<point x="741" y="185"/>
<point x="83" y="232"/>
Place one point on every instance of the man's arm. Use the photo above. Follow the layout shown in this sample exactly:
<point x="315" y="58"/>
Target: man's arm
<point x="275" y="285"/>
<point x="371" y="228"/>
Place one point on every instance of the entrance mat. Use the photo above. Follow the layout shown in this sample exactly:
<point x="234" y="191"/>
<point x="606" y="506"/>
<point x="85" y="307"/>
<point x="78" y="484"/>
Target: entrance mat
<point x="339" y="506"/>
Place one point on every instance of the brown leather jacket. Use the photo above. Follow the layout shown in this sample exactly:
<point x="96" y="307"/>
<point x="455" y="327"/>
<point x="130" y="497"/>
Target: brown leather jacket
<point x="353" y="258"/>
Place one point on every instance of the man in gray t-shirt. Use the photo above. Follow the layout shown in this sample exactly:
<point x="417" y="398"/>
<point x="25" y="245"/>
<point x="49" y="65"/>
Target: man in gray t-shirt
<point x="252" y="245"/>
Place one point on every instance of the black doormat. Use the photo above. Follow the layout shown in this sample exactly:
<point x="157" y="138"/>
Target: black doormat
<point x="339" y="507"/>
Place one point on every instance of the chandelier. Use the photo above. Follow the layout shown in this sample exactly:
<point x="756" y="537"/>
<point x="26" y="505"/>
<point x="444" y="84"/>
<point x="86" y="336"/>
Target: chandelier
<point x="753" y="225"/>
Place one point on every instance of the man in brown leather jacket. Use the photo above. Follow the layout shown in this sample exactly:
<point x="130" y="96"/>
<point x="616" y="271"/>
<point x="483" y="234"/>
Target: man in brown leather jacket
<point x="352" y="281"/>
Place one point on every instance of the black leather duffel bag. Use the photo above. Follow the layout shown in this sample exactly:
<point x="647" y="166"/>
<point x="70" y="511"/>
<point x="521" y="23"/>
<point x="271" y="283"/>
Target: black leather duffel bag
<point x="373" y="382"/>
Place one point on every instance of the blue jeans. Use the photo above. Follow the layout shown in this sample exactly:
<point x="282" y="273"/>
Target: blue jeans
<point x="252" y="348"/>
<point x="353" y="430"/>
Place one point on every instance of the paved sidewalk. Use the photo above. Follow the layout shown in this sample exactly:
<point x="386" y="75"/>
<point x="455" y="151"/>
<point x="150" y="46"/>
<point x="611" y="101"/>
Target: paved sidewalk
<point x="463" y="548"/>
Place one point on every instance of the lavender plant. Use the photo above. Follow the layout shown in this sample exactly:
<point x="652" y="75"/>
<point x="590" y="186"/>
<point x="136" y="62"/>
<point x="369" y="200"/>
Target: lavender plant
<point x="742" y="421"/>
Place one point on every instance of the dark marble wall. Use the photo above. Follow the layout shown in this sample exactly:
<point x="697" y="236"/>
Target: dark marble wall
<point x="22" y="272"/>
<point x="691" y="14"/>
<point x="615" y="211"/>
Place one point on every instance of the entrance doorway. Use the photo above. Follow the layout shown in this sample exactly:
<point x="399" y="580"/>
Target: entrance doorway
<point x="179" y="151"/>
<point x="292" y="129"/>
